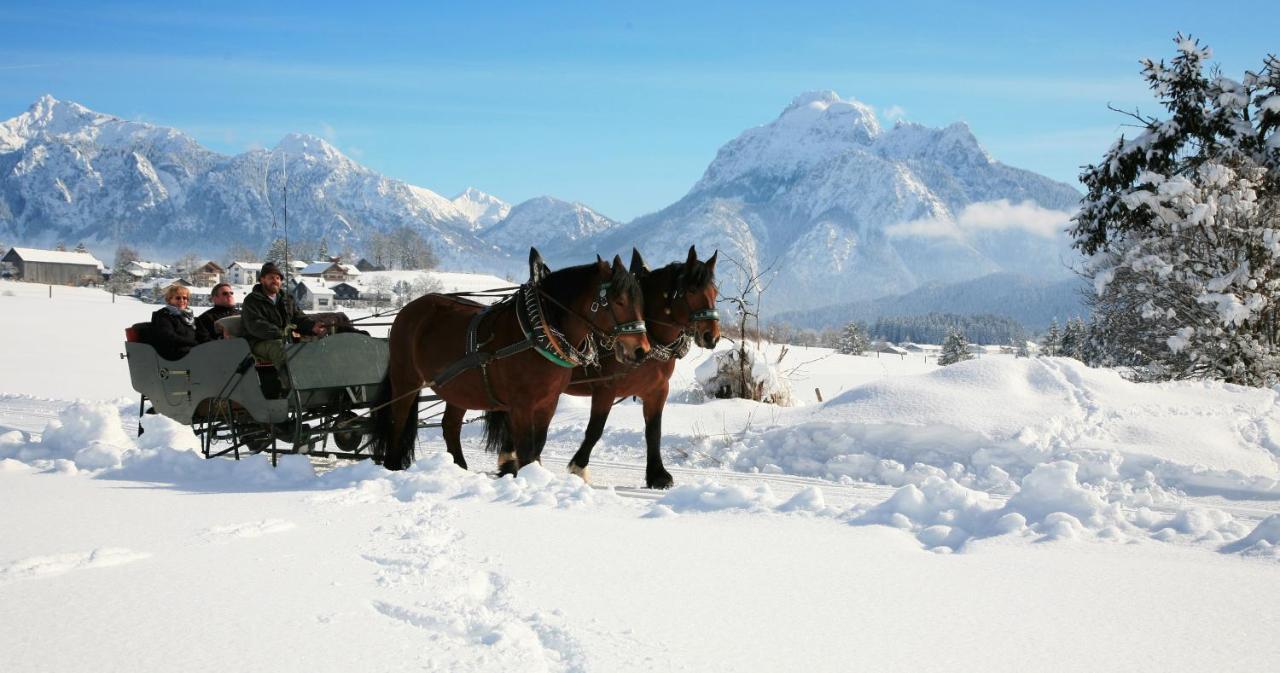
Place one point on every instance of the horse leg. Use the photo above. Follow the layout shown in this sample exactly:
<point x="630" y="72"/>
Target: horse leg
<point x="451" y="427"/>
<point x="601" y="405"/>
<point x="655" y="475"/>
<point x="524" y="423"/>
<point x="541" y="422"/>
<point x="508" y="463"/>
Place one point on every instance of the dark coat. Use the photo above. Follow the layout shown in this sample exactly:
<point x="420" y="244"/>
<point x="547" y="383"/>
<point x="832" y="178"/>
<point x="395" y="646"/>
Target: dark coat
<point x="266" y="320"/>
<point x="205" y="323"/>
<point x="172" y="337"/>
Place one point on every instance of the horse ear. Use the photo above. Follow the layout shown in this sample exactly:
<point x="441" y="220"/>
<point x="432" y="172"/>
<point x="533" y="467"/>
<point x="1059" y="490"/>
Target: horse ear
<point x="711" y="262"/>
<point x="537" y="268"/>
<point x="693" y="256"/>
<point x="638" y="267"/>
<point x="617" y="264"/>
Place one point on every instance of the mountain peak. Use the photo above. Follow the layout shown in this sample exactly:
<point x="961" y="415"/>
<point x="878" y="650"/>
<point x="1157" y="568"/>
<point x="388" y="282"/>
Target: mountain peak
<point x="482" y="209"/>
<point x="816" y="127"/>
<point x="303" y="144"/>
<point x="822" y="97"/>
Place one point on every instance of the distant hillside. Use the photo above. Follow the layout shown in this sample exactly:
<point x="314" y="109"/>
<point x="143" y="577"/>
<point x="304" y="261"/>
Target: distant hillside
<point x="1032" y="302"/>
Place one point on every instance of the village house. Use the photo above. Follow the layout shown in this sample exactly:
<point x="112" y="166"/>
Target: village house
<point x="330" y="271"/>
<point x="207" y="274"/>
<point x="312" y="295"/>
<point x="345" y="292"/>
<point x="54" y="267"/>
<point x="242" y="273"/>
<point x="141" y="270"/>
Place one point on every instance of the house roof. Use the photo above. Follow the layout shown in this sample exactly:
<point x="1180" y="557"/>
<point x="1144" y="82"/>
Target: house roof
<point x="253" y="266"/>
<point x="317" y="268"/>
<point x="56" y="257"/>
<point x="350" y="269"/>
<point x="317" y="289"/>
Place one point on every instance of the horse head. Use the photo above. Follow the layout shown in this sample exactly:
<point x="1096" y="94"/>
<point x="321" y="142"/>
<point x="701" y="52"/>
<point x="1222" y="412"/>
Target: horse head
<point x="685" y="294"/>
<point x="624" y="320"/>
<point x="599" y="299"/>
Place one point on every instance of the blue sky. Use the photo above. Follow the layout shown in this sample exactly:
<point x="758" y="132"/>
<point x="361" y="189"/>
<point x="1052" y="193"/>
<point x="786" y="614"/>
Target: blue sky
<point x="618" y="106"/>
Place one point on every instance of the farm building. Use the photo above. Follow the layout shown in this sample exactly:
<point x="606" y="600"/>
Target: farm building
<point x="54" y="267"/>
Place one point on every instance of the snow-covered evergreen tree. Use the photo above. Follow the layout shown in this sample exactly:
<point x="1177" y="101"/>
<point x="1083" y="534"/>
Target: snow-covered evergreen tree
<point x="1052" y="342"/>
<point x="1073" y="339"/>
<point x="955" y="348"/>
<point x="854" y="340"/>
<point x="275" y="253"/>
<point x="1021" y="349"/>
<point x="80" y="247"/>
<point x="1181" y="227"/>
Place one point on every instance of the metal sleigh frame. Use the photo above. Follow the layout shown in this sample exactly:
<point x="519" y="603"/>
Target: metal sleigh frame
<point x="218" y="390"/>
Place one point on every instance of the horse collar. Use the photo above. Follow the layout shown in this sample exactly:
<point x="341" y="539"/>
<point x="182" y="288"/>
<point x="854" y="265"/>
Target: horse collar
<point x="549" y="343"/>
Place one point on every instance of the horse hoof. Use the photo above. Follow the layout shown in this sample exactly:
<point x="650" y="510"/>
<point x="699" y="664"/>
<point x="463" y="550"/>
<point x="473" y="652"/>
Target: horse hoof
<point x="661" y="480"/>
<point x="510" y="467"/>
<point x="582" y="472"/>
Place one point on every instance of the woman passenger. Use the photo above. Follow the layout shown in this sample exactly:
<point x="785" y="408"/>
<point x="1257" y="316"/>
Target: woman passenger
<point x="173" y="326"/>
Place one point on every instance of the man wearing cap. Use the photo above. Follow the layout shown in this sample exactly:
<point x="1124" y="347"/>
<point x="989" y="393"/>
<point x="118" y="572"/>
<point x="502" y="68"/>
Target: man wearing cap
<point x="270" y="317"/>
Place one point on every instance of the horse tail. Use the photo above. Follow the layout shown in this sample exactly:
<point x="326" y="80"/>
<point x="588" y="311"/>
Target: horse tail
<point x="497" y="432"/>
<point x="395" y="452"/>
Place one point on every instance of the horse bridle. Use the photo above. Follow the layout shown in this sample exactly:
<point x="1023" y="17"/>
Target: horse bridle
<point x="607" y="338"/>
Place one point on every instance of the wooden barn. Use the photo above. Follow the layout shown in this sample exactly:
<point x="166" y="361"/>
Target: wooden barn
<point x="54" y="267"/>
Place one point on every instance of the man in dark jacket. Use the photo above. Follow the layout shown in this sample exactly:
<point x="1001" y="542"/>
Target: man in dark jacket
<point x="224" y="304"/>
<point x="270" y="316"/>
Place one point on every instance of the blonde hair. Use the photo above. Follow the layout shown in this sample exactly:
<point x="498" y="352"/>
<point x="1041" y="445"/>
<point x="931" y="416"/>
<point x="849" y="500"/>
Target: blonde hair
<point x="173" y="291"/>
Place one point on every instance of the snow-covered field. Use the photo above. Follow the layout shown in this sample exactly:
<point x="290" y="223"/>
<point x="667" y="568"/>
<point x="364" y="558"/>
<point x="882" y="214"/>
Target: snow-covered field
<point x="1001" y="514"/>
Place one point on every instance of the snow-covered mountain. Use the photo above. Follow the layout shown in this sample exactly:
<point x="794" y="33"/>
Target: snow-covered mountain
<point x="483" y="210"/>
<point x="68" y="173"/>
<point x="843" y="210"/>
<point x="562" y="231"/>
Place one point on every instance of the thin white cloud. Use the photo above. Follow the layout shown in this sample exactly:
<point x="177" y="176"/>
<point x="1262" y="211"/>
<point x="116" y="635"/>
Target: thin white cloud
<point x="895" y="113"/>
<point x="987" y="216"/>
<point x="328" y="133"/>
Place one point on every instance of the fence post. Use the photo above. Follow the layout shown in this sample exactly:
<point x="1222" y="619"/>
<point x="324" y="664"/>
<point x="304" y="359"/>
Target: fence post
<point x="51" y="292"/>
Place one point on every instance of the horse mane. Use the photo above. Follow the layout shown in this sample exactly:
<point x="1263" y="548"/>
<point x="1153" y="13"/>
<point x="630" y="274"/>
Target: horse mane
<point x="687" y="279"/>
<point x="565" y="284"/>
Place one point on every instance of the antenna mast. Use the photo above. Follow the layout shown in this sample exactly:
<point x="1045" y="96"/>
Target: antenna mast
<point x="284" y="167"/>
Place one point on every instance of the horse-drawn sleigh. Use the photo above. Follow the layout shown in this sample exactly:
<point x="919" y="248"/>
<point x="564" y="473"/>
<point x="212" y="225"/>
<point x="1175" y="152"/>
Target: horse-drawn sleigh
<point x="511" y="359"/>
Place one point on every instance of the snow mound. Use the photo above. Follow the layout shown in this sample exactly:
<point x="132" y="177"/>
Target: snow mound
<point x="989" y="422"/>
<point x="88" y="435"/>
<point x="1264" y="540"/>
<point x="709" y="496"/>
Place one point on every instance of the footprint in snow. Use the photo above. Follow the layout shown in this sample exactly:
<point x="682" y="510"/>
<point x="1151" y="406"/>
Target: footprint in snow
<point x="247" y="530"/>
<point x="59" y="564"/>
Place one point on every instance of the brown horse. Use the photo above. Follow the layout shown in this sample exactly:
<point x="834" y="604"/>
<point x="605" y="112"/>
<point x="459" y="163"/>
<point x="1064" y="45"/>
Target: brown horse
<point x="679" y="307"/>
<point x="514" y="357"/>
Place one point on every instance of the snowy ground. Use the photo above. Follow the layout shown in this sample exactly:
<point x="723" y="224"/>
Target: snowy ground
<point x="1001" y="514"/>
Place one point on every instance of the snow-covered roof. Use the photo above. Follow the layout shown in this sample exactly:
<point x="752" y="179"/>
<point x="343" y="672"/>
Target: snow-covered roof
<point x="57" y="257"/>
<point x="350" y="269"/>
<point x="317" y="289"/>
<point x="316" y="268"/>
<point x="246" y="265"/>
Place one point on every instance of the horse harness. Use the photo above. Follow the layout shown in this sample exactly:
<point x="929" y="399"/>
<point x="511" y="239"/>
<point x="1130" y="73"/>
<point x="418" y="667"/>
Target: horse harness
<point x="539" y="335"/>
